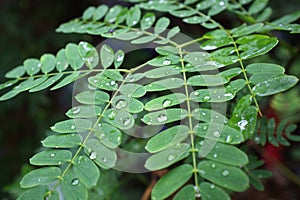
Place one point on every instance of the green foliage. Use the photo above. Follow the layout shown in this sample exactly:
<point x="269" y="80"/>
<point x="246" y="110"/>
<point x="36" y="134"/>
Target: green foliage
<point x="197" y="142"/>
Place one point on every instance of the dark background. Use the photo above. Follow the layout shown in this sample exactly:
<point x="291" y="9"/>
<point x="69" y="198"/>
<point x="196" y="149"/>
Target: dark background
<point x="27" y="29"/>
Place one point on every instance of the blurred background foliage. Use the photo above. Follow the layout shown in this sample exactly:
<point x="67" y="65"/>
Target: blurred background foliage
<point x="28" y="30"/>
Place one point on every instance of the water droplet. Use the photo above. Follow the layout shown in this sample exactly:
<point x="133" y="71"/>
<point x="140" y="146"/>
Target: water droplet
<point x="126" y="121"/>
<point x="93" y="155"/>
<point x="95" y="81"/>
<point x="228" y="139"/>
<point x="112" y="82"/>
<point x="59" y="163"/>
<point x="104" y="159"/>
<point x="242" y="124"/>
<point x="256" y="139"/>
<point x="171" y="157"/>
<point x="52" y="155"/>
<point x="206" y="98"/>
<point x="215" y="155"/>
<point x="121" y="104"/>
<point x="72" y="127"/>
<point x="221" y="3"/>
<point x="112" y="115"/>
<point x="203" y="113"/>
<point x="213" y="165"/>
<point x="52" y="127"/>
<point x="162" y="118"/>
<point x="202" y="172"/>
<point x="225" y="173"/>
<point x="197" y="192"/>
<point x="212" y="186"/>
<point x="166" y="62"/>
<point x="216" y="134"/>
<point x="75" y="182"/>
<point x="120" y="58"/>
<point x="196" y="93"/>
<point x="166" y="103"/>
<point x="39" y="180"/>
<point x="102" y="136"/>
<point x="75" y="110"/>
<point x="204" y="127"/>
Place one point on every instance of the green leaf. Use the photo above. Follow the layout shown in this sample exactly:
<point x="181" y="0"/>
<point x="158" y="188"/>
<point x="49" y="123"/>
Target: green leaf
<point x="50" y="81"/>
<point x="128" y="35"/>
<point x="187" y="193"/>
<point x="262" y="68"/>
<point x="8" y="83"/>
<point x="88" y="54"/>
<point x="32" y="66"/>
<point x="108" y="135"/>
<point x="144" y="39"/>
<point x="9" y="95"/>
<point x="119" y="58"/>
<point x="161" y="25"/>
<point x="119" y="118"/>
<point x="162" y="72"/>
<point x="106" y="56"/>
<point x="113" y="74"/>
<point x="274" y="85"/>
<point x="100" y="12"/>
<point x="67" y="80"/>
<point x="167" y="138"/>
<point x="164" y="116"/>
<point x="258" y="78"/>
<point x="86" y="171"/>
<point x="209" y="191"/>
<point x="62" y="61"/>
<point x="92" y="97"/>
<point x="214" y="80"/>
<point x="207" y="115"/>
<point x="30" y="83"/>
<point x="229" y="177"/>
<point x="147" y="21"/>
<point x="217" y="7"/>
<point x="219" y="94"/>
<point x="112" y="14"/>
<point x="15" y="72"/>
<point x="72" y="125"/>
<point x="133" y="90"/>
<point x="240" y="107"/>
<point x="72" y="188"/>
<point x="183" y="13"/>
<point x="73" y="56"/>
<point x="166" y="50"/>
<point x="40" y="176"/>
<point x="84" y="111"/>
<point x="167" y="157"/>
<point x="62" y="141"/>
<point x="246" y="30"/>
<point x="135" y="77"/>
<point x="219" y="132"/>
<point x="226" y="154"/>
<point x="165" y="84"/>
<point x="88" y="13"/>
<point x="51" y="157"/>
<point x="257" y="6"/>
<point x="126" y="103"/>
<point x="195" y="20"/>
<point x="255" y="45"/>
<point x="216" y="43"/>
<point x="175" y="30"/>
<point x="286" y="19"/>
<point x="101" y="155"/>
<point x="102" y="82"/>
<point x="164" y="60"/>
<point x="34" y="193"/>
<point x="165" y="101"/>
<point x="133" y="16"/>
<point x="172" y="181"/>
<point x="48" y="62"/>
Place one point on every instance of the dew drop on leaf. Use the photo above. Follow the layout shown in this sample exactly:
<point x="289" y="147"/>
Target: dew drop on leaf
<point x="225" y="173"/>
<point x="221" y="3"/>
<point x="162" y="118"/>
<point x="112" y="115"/>
<point x="121" y="104"/>
<point x="166" y="103"/>
<point x="112" y="83"/>
<point x="104" y="159"/>
<point x="75" y="182"/>
<point x="213" y="165"/>
<point x="217" y="134"/>
<point x="75" y="110"/>
<point x="119" y="58"/>
<point x="196" y="93"/>
<point x="203" y="113"/>
<point x="215" y="155"/>
<point x="166" y="62"/>
<point x="171" y="157"/>
<point x="242" y="124"/>
<point x="206" y="98"/>
<point x="52" y="155"/>
<point x="72" y="127"/>
<point x="126" y="121"/>
<point x="212" y="186"/>
<point x="228" y="139"/>
<point x="93" y="155"/>
<point x="102" y="136"/>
